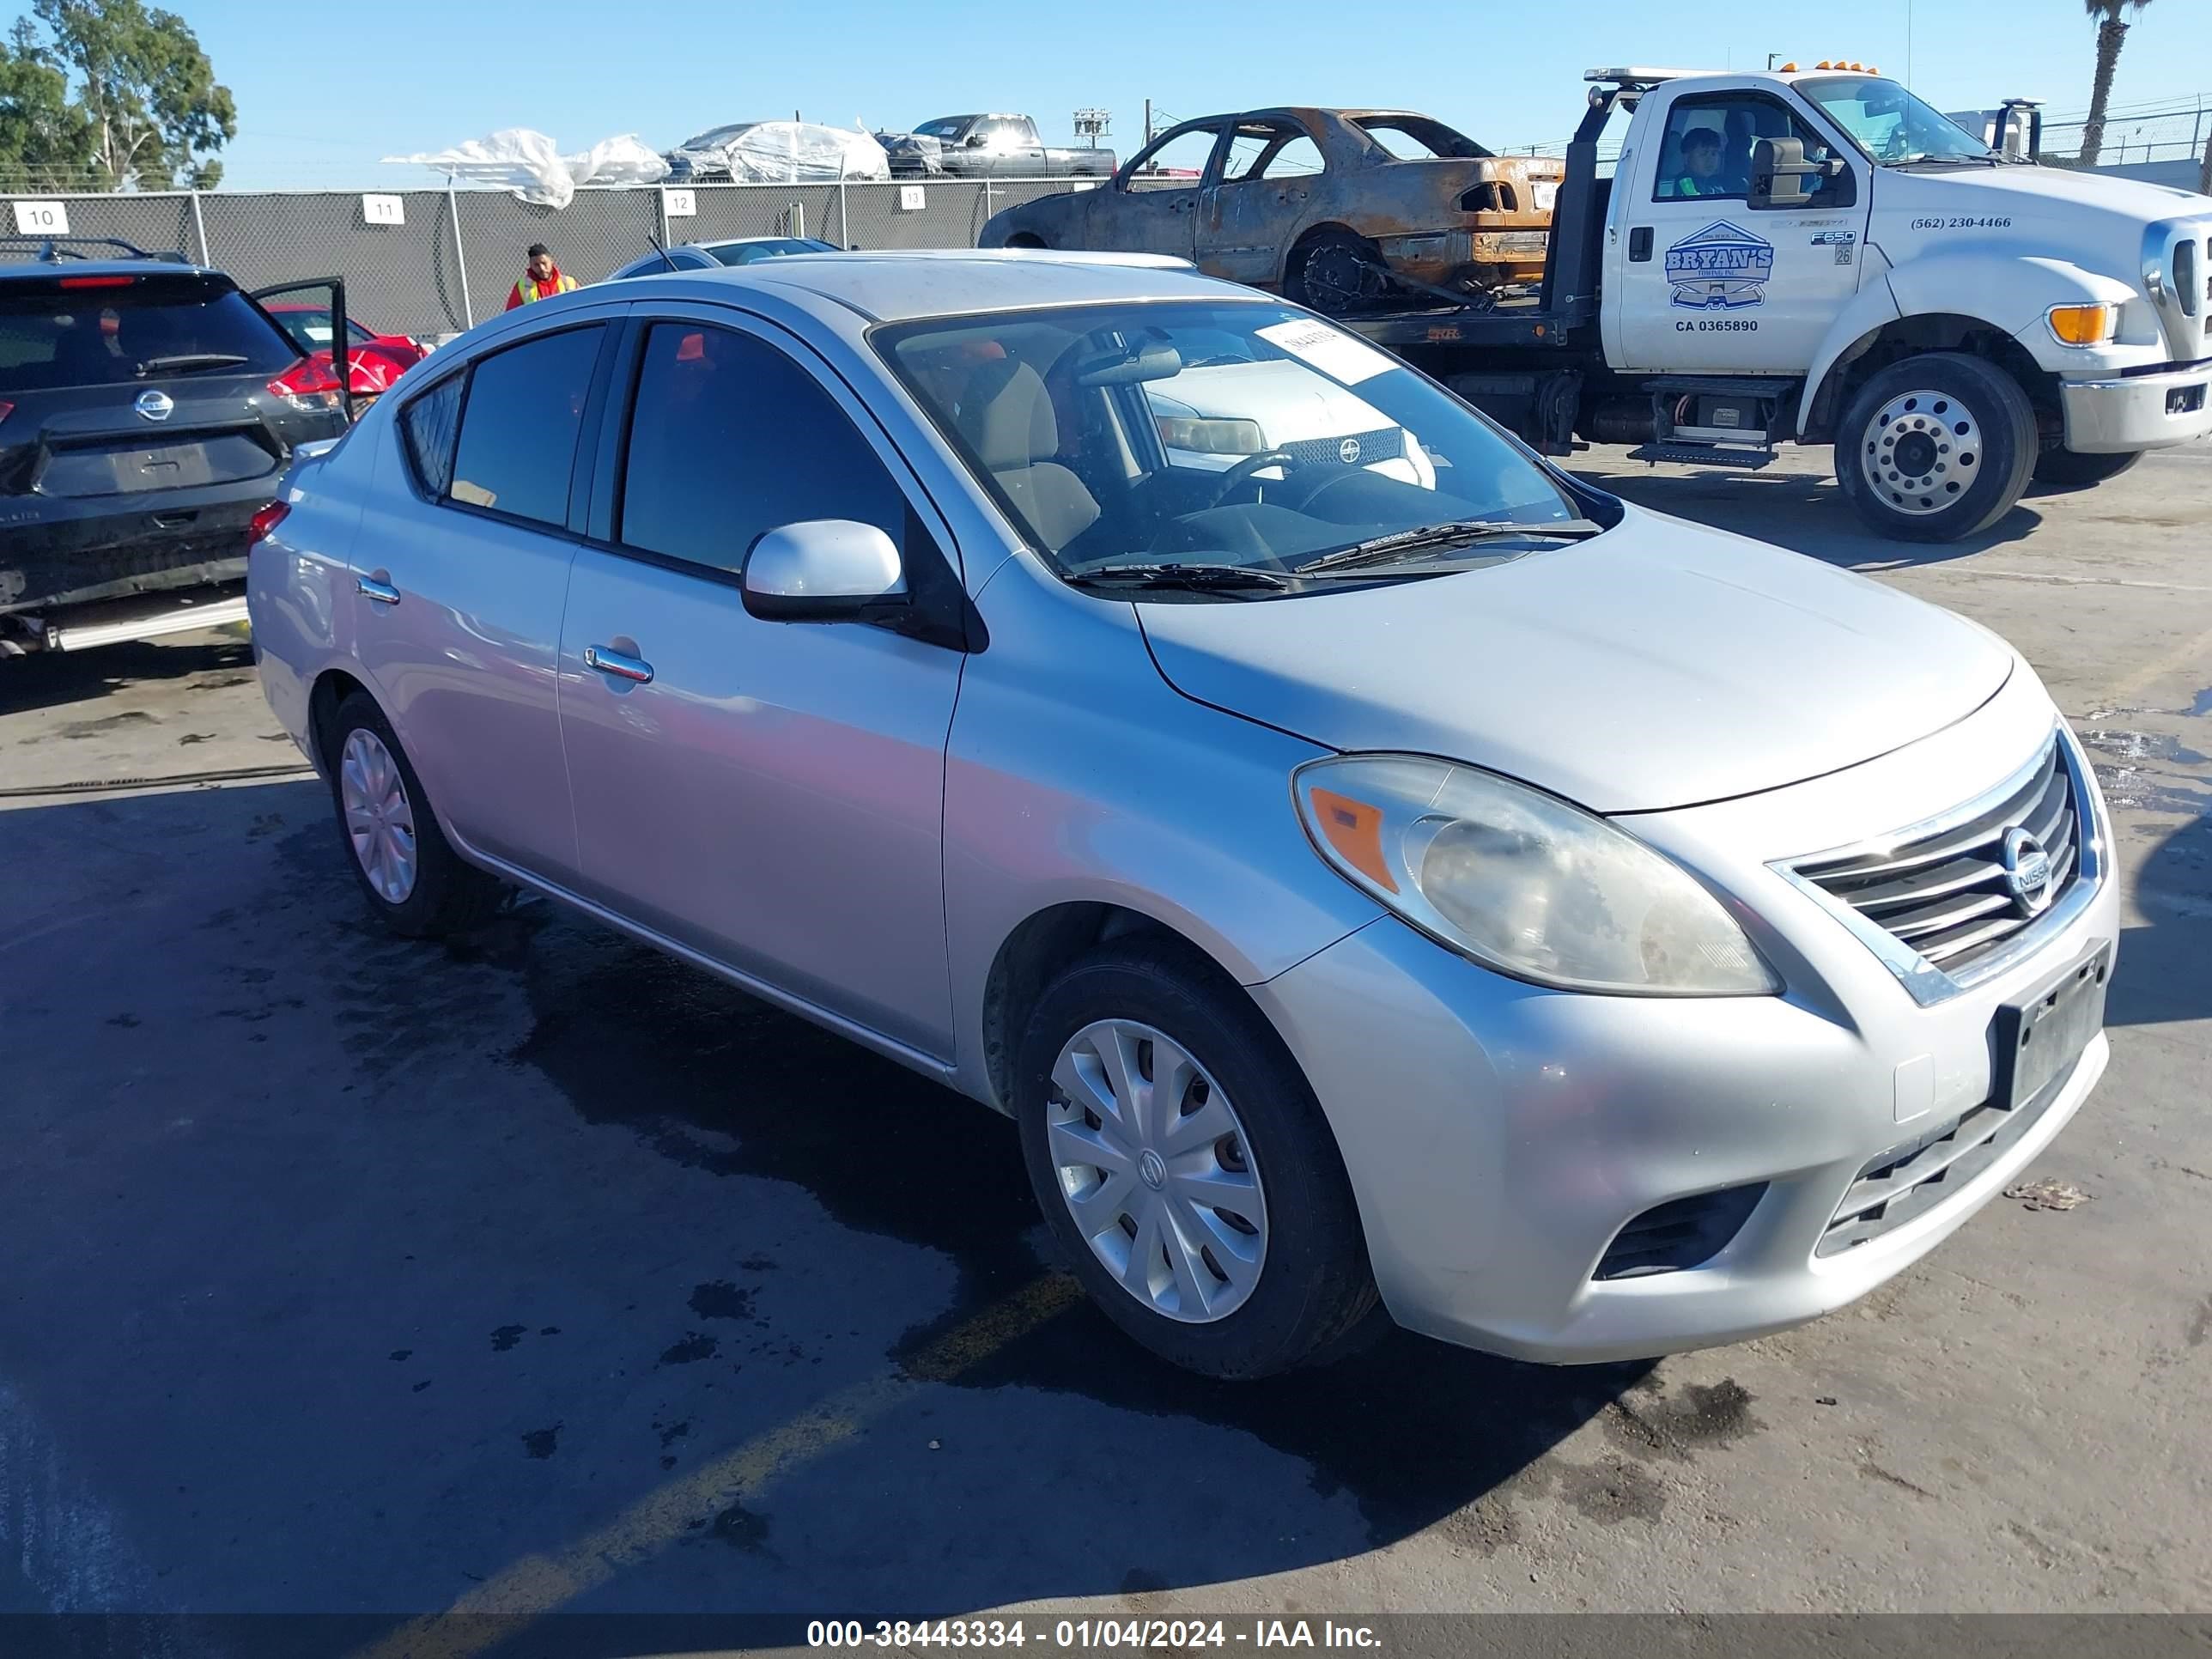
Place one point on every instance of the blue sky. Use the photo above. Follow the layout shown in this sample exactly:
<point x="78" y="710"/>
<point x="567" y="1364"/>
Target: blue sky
<point x="431" y="74"/>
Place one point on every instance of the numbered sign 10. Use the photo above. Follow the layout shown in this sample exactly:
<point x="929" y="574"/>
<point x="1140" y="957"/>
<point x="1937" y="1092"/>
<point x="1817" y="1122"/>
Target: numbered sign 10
<point x="41" y="219"/>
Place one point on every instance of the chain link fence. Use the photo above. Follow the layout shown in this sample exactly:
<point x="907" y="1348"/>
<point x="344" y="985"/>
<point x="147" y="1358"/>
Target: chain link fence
<point x="454" y="255"/>
<point x="2132" y="137"/>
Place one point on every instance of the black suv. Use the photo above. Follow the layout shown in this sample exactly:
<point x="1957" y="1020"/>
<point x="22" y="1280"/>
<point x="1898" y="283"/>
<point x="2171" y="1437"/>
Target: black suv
<point x="148" y="410"/>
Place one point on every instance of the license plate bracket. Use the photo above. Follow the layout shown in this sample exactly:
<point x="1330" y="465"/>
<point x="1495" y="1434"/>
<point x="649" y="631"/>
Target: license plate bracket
<point x="2036" y="1037"/>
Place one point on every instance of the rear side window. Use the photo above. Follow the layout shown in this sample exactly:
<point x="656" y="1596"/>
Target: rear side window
<point x="107" y="330"/>
<point x="427" y="427"/>
<point x="730" y="438"/>
<point x="519" y="425"/>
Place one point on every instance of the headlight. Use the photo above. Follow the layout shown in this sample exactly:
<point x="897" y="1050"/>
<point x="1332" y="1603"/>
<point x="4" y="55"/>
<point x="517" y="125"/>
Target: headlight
<point x="2084" y="325"/>
<point x="1209" y="437"/>
<point x="1522" y="882"/>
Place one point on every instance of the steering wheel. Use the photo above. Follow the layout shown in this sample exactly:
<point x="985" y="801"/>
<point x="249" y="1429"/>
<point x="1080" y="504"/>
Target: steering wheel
<point x="1337" y="475"/>
<point x="1244" y="469"/>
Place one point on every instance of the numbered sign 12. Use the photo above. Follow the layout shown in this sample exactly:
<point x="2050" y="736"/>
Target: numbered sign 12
<point x="41" y="219"/>
<point x="681" y="203"/>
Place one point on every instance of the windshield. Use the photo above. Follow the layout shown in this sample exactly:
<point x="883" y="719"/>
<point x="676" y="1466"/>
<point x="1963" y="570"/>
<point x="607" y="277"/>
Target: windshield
<point x="1231" y="433"/>
<point x="1890" y="125"/>
<point x="948" y="128"/>
<point x="767" y="247"/>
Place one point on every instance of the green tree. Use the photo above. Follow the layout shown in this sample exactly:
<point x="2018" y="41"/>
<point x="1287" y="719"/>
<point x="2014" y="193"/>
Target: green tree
<point x="2111" y="34"/>
<point x="144" y="109"/>
<point x="45" y="140"/>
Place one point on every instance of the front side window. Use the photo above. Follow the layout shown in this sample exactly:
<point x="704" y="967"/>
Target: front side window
<point x="1175" y="161"/>
<point x="1231" y="432"/>
<point x="1890" y="125"/>
<point x="1707" y="148"/>
<point x="519" y="422"/>
<point x="1261" y="150"/>
<point x="729" y="438"/>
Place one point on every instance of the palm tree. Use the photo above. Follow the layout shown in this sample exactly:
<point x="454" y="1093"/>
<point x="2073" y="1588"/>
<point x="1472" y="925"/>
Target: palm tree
<point x="2110" y="33"/>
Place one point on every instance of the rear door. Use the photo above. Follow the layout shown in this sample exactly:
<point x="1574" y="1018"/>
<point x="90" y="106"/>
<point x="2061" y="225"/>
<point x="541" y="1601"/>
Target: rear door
<point x="461" y="568"/>
<point x="1254" y="198"/>
<point x="1707" y="283"/>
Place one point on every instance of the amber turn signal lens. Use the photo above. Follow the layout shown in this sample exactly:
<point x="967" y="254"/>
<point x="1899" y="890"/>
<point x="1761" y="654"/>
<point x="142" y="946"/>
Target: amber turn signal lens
<point x="1355" y="829"/>
<point x="2084" y="325"/>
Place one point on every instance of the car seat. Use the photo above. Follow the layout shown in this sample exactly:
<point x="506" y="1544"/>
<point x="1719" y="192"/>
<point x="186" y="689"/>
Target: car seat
<point x="1007" y="419"/>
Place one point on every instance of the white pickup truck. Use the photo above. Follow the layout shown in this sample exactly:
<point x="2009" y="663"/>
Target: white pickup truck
<point x="1819" y="257"/>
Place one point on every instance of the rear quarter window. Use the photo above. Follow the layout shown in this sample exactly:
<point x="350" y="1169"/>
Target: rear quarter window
<point x="427" y="429"/>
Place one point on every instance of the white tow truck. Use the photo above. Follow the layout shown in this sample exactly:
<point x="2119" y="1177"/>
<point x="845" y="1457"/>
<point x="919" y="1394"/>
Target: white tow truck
<point x="1817" y="257"/>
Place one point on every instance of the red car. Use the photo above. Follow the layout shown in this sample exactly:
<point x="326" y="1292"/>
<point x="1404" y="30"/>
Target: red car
<point x="375" y="360"/>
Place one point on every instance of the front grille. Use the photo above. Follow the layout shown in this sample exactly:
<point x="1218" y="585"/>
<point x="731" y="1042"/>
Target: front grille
<point x="1913" y="1178"/>
<point x="1945" y="894"/>
<point x="1386" y="445"/>
<point x="1681" y="1234"/>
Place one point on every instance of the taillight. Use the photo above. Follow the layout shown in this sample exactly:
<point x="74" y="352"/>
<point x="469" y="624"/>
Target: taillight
<point x="309" y="386"/>
<point x="97" y="282"/>
<point x="6" y="409"/>
<point x="264" y="523"/>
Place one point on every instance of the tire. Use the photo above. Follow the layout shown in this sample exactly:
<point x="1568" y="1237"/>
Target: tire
<point x="438" y="893"/>
<point x="1028" y="239"/>
<point x="1347" y="273"/>
<point x="1275" y="1253"/>
<point x="2062" y="469"/>
<point x="1967" y="436"/>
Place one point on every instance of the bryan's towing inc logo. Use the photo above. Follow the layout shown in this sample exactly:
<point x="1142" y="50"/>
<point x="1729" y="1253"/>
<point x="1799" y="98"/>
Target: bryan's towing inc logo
<point x="1722" y="268"/>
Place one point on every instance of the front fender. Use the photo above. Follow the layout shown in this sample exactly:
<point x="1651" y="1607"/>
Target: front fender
<point x="2010" y="293"/>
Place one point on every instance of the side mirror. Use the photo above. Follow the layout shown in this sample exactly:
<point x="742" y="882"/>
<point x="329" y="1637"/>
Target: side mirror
<point x="824" y="570"/>
<point x="976" y="141"/>
<point x="1781" y="177"/>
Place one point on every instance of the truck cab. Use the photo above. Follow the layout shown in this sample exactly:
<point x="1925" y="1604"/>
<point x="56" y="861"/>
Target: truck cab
<point x="1845" y="265"/>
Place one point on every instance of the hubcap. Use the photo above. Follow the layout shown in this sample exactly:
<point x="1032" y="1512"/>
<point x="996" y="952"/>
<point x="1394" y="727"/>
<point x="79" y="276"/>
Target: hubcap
<point x="1152" y="1163"/>
<point x="379" y="821"/>
<point x="1922" y="451"/>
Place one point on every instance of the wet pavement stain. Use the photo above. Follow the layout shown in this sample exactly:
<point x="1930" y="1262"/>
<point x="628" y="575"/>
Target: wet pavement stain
<point x="108" y="723"/>
<point x="401" y="1353"/>
<point x="2144" y="792"/>
<point x="1411" y="1431"/>
<point x="2202" y="705"/>
<point x="690" y="1350"/>
<point x="543" y="1442"/>
<point x="507" y="1336"/>
<point x="719" y="1299"/>
<point x="1613" y="1490"/>
<point x="2135" y="746"/>
<point x="741" y="1528"/>
<point x="1649" y="1422"/>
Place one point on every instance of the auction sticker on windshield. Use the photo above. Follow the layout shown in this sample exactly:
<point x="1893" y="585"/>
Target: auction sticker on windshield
<point x="1335" y="353"/>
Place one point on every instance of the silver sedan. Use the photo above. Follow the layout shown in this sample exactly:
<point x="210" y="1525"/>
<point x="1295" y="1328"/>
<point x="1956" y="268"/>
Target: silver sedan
<point x="1384" y="879"/>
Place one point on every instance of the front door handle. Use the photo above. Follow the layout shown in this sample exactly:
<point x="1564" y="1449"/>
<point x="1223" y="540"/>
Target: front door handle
<point x="375" y="587"/>
<point x="1639" y="243"/>
<point x="620" y="666"/>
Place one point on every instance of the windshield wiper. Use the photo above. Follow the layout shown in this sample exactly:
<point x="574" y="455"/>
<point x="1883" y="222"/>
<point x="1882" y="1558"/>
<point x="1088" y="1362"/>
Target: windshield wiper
<point x="1199" y="578"/>
<point x="1382" y="550"/>
<point x="188" y="362"/>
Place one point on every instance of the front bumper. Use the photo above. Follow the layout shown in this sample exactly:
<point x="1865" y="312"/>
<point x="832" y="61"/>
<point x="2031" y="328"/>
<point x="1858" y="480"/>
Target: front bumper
<point x="2137" y="411"/>
<point x="1499" y="1136"/>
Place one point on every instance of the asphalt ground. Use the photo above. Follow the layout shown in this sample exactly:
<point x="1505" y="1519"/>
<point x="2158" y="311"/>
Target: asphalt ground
<point x="537" y="1273"/>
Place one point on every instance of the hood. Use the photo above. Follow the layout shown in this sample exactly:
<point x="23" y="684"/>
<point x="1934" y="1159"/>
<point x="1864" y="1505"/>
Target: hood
<point x="1658" y="666"/>
<point x="2071" y="215"/>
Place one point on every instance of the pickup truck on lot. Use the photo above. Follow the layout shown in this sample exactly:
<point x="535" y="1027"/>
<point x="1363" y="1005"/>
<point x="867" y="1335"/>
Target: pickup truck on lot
<point x="988" y="146"/>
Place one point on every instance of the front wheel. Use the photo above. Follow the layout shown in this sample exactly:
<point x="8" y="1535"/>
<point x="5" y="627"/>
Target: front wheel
<point x="1936" y="448"/>
<point x="1184" y="1167"/>
<point x="2062" y="469"/>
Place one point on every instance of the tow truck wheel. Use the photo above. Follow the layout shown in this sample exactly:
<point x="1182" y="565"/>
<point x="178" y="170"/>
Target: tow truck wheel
<point x="1936" y="448"/>
<point x="2062" y="469"/>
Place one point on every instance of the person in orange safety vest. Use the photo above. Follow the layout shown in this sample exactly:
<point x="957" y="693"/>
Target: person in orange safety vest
<point x="542" y="279"/>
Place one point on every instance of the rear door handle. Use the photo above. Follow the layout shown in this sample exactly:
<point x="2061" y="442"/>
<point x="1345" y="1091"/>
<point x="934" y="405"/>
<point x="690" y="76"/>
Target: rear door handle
<point x="371" y="588"/>
<point x="614" y="663"/>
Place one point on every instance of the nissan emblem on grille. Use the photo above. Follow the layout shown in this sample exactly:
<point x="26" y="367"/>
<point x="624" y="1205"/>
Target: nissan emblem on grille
<point x="2027" y="871"/>
<point x="1349" y="451"/>
<point x="154" y="405"/>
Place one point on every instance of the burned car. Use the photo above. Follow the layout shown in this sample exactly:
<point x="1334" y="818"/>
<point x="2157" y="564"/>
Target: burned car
<point x="1341" y="209"/>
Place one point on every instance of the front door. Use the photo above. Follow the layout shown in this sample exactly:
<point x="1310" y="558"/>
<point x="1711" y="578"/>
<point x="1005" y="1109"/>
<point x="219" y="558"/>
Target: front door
<point x="1707" y="283"/>
<point x="1251" y="205"/>
<point x="1152" y="205"/>
<point x="767" y="793"/>
<point x="461" y="569"/>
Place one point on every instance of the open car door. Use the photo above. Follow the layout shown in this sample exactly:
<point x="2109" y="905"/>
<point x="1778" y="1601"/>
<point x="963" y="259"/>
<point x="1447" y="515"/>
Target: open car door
<point x="313" y="314"/>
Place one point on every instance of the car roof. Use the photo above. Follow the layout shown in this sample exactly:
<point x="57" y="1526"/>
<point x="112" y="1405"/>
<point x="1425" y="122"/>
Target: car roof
<point x="898" y="285"/>
<point x="47" y="269"/>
